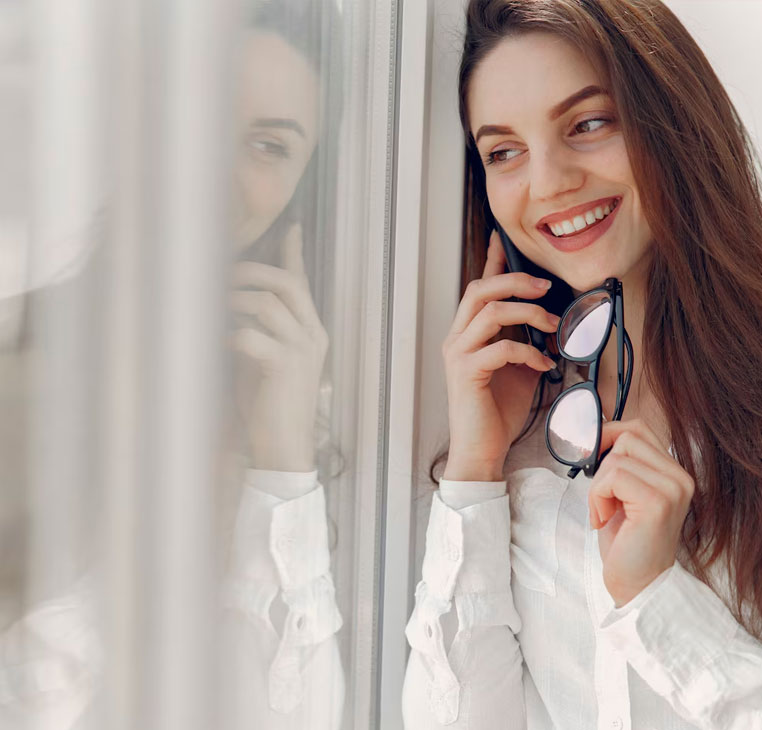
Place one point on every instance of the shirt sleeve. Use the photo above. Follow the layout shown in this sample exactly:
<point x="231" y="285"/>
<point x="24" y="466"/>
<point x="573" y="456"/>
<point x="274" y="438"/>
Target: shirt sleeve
<point x="280" y="547"/>
<point x="684" y="642"/>
<point x="50" y="662"/>
<point x="477" y="684"/>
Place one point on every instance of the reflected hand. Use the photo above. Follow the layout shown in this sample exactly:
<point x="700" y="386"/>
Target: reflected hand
<point x="638" y="500"/>
<point x="279" y="376"/>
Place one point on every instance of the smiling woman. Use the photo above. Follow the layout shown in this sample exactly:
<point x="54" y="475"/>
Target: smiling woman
<point x="602" y="142"/>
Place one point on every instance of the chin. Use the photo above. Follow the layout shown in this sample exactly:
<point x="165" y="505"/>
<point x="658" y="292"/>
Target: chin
<point x="585" y="282"/>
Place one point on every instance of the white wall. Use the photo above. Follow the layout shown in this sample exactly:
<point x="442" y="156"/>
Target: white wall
<point x="729" y="31"/>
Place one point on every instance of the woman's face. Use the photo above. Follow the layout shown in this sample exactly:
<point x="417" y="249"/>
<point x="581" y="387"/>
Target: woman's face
<point x="546" y="158"/>
<point x="277" y="127"/>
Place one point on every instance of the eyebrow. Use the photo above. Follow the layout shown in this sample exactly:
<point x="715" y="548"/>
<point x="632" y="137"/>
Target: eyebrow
<point x="279" y="123"/>
<point x="553" y="114"/>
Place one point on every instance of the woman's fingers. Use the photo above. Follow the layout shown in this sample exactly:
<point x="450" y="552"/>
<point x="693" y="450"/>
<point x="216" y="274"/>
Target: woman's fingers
<point x="270" y="311"/>
<point x="293" y="290"/>
<point x="613" y="430"/>
<point x="291" y="252"/>
<point x="495" y="257"/>
<point x="501" y="353"/>
<point x="636" y="440"/>
<point x="502" y="286"/>
<point x="257" y="345"/>
<point x="622" y="486"/>
<point x="495" y="315"/>
<point x="651" y="475"/>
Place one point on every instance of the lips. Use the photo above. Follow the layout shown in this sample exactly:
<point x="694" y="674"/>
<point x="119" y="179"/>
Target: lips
<point x="571" y="213"/>
<point x="584" y="238"/>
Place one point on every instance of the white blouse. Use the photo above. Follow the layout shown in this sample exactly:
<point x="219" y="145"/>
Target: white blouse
<point x="513" y="628"/>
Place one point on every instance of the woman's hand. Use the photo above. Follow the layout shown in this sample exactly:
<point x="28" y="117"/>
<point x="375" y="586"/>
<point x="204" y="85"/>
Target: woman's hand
<point x="490" y="387"/>
<point x="638" y="499"/>
<point x="284" y="350"/>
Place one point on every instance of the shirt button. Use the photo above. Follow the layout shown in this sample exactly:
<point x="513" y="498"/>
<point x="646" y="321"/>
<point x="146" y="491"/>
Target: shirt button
<point x="454" y="554"/>
<point x="617" y="724"/>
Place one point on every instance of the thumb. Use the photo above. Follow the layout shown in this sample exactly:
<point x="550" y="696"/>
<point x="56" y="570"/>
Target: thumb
<point x="291" y="255"/>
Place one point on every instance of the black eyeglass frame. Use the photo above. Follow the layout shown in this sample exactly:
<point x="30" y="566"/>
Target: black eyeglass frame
<point x="613" y="287"/>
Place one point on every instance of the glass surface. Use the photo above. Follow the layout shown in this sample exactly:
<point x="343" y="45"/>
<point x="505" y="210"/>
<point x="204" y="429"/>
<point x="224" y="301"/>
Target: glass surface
<point x="186" y="197"/>
<point x="573" y="426"/>
<point x="584" y="326"/>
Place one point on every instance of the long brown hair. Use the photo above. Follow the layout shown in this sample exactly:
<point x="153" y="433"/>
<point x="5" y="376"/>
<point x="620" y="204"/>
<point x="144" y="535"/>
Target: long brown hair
<point x="694" y="164"/>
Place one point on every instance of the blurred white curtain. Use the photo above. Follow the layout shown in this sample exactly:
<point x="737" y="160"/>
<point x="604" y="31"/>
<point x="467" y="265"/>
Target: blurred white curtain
<point x="189" y="514"/>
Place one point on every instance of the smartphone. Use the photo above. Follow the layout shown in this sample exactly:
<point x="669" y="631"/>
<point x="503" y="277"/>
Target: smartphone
<point x="518" y="262"/>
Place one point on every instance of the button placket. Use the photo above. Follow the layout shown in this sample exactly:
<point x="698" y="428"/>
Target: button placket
<point x="610" y="674"/>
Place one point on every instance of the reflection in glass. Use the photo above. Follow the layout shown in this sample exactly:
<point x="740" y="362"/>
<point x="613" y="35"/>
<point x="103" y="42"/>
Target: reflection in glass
<point x="174" y="501"/>
<point x="584" y="328"/>
<point x="574" y="425"/>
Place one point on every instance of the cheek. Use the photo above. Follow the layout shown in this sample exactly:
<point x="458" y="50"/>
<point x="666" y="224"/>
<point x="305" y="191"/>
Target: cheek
<point x="265" y="190"/>
<point x="505" y="194"/>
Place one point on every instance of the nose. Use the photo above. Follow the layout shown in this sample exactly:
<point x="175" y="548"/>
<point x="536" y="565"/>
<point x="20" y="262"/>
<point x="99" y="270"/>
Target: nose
<point x="552" y="172"/>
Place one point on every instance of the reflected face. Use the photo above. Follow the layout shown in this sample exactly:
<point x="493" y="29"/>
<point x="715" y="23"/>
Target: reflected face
<point x="277" y="129"/>
<point x="554" y="159"/>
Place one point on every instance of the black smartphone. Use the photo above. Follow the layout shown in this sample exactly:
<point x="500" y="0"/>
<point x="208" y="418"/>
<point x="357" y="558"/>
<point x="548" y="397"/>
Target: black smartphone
<point x="518" y="262"/>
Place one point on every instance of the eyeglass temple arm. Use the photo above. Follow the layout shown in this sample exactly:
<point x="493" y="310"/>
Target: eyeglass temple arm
<point x="624" y="375"/>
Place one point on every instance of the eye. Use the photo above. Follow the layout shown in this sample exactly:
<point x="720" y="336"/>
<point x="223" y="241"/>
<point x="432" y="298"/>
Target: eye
<point x="585" y="122"/>
<point x="267" y="149"/>
<point x="499" y="156"/>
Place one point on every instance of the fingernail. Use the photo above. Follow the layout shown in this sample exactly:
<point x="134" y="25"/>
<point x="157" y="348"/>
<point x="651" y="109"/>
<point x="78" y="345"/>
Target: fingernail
<point x="541" y="283"/>
<point x="553" y="319"/>
<point x="550" y="362"/>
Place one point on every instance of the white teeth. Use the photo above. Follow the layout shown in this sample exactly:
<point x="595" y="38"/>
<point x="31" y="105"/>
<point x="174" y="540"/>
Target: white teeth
<point x="580" y="222"/>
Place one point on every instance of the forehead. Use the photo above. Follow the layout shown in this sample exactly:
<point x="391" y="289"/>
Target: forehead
<point x="277" y="81"/>
<point x="523" y="77"/>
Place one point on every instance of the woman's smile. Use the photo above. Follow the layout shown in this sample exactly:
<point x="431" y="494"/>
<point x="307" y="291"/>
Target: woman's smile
<point x="587" y="226"/>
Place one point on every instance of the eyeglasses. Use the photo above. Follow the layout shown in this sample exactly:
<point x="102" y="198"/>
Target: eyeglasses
<point x="573" y="425"/>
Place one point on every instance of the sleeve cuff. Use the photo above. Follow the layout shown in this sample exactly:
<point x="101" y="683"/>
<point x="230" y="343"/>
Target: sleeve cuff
<point x="467" y="559"/>
<point x="282" y="544"/>
<point x="458" y="495"/>
<point x="642" y="597"/>
<point x="470" y="546"/>
<point x="282" y="484"/>
<point x="671" y="630"/>
<point x="281" y="541"/>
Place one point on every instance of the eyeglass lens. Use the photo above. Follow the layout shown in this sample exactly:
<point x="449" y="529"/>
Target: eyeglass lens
<point x="585" y="325"/>
<point x="573" y="426"/>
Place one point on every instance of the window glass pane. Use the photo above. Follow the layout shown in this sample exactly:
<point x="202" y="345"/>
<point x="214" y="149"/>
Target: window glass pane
<point x="194" y="282"/>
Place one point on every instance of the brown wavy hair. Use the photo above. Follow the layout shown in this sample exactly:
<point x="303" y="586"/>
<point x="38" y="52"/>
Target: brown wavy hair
<point x="694" y="164"/>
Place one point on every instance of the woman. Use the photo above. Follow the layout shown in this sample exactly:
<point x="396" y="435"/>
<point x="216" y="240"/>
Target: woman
<point x="632" y="599"/>
<point x="284" y="653"/>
